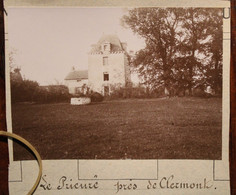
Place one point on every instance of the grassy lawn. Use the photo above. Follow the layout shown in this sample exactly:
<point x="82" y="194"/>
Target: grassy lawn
<point x="175" y="128"/>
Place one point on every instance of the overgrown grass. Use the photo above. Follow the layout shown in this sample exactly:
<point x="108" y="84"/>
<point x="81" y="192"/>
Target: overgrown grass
<point x="175" y="128"/>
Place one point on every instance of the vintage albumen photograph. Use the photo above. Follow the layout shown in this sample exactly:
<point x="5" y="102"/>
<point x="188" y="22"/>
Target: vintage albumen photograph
<point x="117" y="83"/>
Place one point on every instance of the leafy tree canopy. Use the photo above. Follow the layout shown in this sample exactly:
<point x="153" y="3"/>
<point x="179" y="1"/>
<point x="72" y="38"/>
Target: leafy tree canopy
<point x="183" y="47"/>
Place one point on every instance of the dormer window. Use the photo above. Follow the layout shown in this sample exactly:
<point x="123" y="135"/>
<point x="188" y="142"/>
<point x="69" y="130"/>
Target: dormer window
<point x="106" y="47"/>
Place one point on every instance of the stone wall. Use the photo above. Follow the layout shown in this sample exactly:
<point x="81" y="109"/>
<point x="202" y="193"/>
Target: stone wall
<point x="116" y="68"/>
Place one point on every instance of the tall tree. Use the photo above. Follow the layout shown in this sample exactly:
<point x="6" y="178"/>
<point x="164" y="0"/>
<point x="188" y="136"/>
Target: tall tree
<point x="180" y="46"/>
<point x="159" y="28"/>
<point x="213" y="72"/>
<point x="195" y="48"/>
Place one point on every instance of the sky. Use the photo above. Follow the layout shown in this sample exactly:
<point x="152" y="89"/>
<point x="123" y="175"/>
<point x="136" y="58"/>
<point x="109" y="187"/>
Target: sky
<point x="50" y="41"/>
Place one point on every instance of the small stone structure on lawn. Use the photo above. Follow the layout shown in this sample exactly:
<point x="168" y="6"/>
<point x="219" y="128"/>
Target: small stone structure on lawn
<point x="80" y="101"/>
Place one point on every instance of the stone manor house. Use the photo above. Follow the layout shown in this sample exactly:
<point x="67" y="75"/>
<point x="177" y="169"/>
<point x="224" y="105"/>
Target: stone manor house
<point x="108" y="68"/>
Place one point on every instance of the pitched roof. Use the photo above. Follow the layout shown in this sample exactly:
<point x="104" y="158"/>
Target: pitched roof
<point x="113" y="39"/>
<point x="77" y="75"/>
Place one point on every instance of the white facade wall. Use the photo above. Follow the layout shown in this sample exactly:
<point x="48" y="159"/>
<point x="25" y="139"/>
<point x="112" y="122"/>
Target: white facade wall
<point x="73" y="84"/>
<point x="116" y="68"/>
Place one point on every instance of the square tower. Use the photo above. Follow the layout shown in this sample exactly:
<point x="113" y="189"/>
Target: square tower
<point x="108" y="65"/>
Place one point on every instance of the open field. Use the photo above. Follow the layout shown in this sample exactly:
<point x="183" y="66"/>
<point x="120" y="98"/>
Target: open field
<point x="175" y="128"/>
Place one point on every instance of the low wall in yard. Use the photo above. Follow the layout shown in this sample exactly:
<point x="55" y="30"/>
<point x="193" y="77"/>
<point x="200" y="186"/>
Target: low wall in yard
<point x="80" y="101"/>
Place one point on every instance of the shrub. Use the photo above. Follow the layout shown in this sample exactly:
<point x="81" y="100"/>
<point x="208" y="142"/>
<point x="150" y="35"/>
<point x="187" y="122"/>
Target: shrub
<point x="128" y="92"/>
<point x="30" y="91"/>
<point x="58" y="93"/>
<point x="96" y="97"/>
<point x="23" y="91"/>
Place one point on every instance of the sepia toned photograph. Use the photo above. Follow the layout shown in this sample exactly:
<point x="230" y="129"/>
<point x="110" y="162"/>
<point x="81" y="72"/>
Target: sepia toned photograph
<point x="117" y="83"/>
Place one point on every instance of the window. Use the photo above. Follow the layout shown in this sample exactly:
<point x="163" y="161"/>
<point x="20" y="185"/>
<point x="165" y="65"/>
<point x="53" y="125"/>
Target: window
<point x="106" y="47"/>
<point x="105" y="61"/>
<point x="105" y="76"/>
